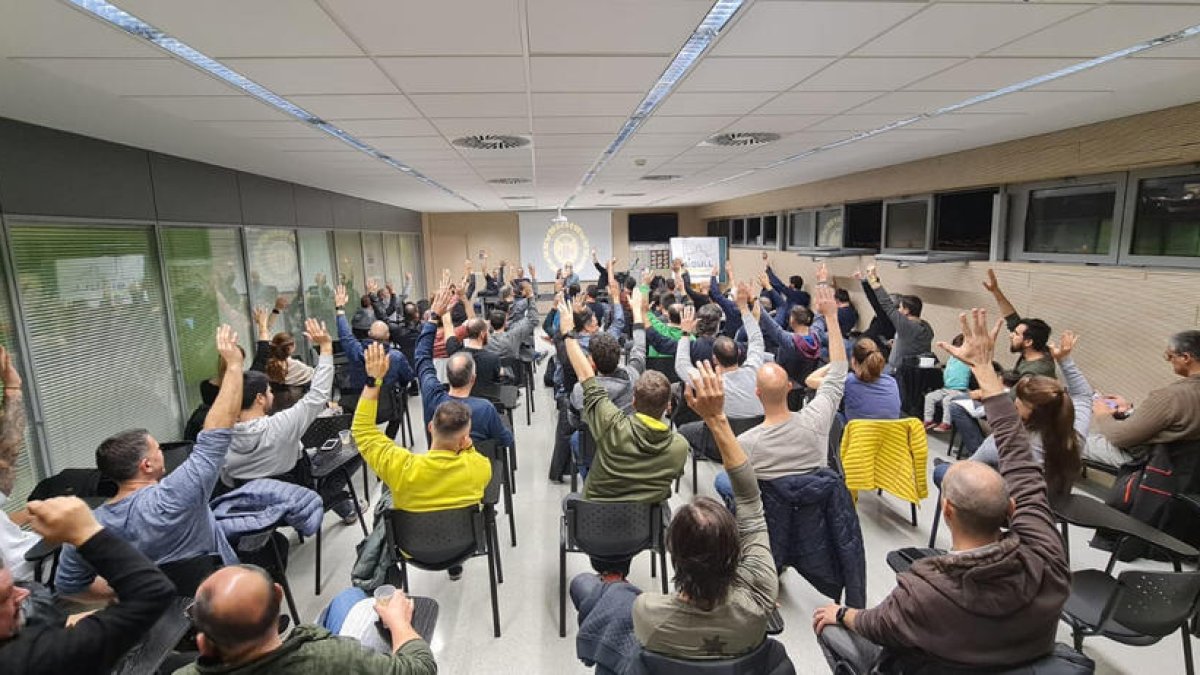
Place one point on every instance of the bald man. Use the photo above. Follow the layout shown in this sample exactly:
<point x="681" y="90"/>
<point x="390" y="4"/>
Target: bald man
<point x="994" y="600"/>
<point x="788" y="443"/>
<point x="236" y="616"/>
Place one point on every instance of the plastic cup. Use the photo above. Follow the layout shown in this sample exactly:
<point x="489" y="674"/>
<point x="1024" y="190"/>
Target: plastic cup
<point x="384" y="593"/>
<point x="344" y="437"/>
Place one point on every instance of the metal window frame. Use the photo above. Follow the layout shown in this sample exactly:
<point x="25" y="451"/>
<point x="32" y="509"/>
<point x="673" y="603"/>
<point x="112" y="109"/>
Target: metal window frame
<point x="883" y="238"/>
<point x="998" y="200"/>
<point x="1019" y="208"/>
<point x="1129" y="218"/>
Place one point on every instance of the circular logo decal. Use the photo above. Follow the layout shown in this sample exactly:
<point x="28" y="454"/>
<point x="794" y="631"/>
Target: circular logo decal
<point x="564" y="243"/>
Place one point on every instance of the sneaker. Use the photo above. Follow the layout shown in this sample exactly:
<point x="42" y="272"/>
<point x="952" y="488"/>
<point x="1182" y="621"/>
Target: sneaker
<point x="455" y="572"/>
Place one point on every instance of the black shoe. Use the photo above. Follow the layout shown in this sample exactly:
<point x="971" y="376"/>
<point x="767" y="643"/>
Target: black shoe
<point x="455" y="572"/>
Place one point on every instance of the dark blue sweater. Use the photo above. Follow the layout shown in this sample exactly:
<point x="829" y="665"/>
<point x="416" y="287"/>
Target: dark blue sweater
<point x="485" y="420"/>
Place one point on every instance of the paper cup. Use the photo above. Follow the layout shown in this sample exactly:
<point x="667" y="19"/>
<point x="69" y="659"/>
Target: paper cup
<point x="384" y="593"/>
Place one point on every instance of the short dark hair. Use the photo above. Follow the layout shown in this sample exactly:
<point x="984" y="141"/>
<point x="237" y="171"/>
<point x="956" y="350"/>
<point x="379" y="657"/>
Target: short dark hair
<point x="801" y="315"/>
<point x="253" y="384"/>
<point x="841" y="295"/>
<point x="725" y="351"/>
<point x="708" y="319"/>
<point x="629" y="282"/>
<point x="1184" y="342"/>
<point x="705" y="550"/>
<point x="592" y="291"/>
<point x="118" y="456"/>
<point x="497" y="319"/>
<point x="651" y="394"/>
<point x="796" y="281"/>
<point x="674" y="312"/>
<point x="583" y="317"/>
<point x="237" y="628"/>
<point x="476" y="328"/>
<point x="1037" y="332"/>
<point x="605" y="352"/>
<point x="460" y="368"/>
<point x="573" y="290"/>
<point x="451" y="417"/>
<point x="912" y="303"/>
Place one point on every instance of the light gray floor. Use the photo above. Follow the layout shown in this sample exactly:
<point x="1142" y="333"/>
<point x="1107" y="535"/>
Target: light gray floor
<point x="463" y="641"/>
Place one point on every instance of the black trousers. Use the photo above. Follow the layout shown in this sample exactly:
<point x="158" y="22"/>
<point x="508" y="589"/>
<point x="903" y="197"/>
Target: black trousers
<point x="560" y="465"/>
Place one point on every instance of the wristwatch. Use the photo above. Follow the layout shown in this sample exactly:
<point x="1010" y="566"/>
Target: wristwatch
<point x="841" y="616"/>
<point x="374" y="381"/>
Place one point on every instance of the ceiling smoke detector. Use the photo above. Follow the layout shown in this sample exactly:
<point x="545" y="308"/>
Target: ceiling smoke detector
<point x="742" y="139"/>
<point x="491" y="142"/>
<point x="508" y="181"/>
<point x="662" y="176"/>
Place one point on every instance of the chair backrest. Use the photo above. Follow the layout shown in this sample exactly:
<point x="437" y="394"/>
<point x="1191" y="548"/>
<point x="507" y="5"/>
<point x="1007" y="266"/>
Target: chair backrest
<point x="664" y="365"/>
<point x="74" y="482"/>
<point x="436" y="539"/>
<point x="744" y="424"/>
<point x="175" y="453"/>
<point x="612" y="529"/>
<point x="1155" y="603"/>
<point x="325" y="428"/>
<point x="769" y="658"/>
<point x="1062" y="661"/>
<point x="187" y="575"/>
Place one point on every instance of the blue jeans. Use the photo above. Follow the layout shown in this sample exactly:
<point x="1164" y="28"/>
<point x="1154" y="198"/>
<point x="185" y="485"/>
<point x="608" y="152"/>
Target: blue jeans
<point x="967" y="428"/>
<point x="333" y="616"/>
<point x="724" y="488"/>
<point x="580" y="460"/>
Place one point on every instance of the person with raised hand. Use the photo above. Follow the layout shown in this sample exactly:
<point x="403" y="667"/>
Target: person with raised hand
<point x="399" y="372"/>
<point x="994" y="600"/>
<point x="914" y="335"/>
<point x="164" y="516"/>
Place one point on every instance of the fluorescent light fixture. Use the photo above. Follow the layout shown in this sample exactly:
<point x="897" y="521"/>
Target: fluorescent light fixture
<point x="115" y="16"/>
<point x="956" y="107"/>
<point x="701" y="39"/>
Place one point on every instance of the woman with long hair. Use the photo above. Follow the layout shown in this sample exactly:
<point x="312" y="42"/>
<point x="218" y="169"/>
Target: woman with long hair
<point x="284" y="368"/>
<point x="870" y="393"/>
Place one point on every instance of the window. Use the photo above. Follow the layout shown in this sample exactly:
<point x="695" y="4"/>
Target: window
<point x="753" y="231"/>
<point x="410" y="262"/>
<point x="964" y="221"/>
<point x="905" y="224"/>
<point x="1166" y="221"/>
<point x="208" y="288"/>
<point x="350" y="269"/>
<point x="770" y="231"/>
<point x="92" y="301"/>
<point x="718" y="228"/>
<point x="372" y="243"/>
<point x="829" y="227"/>
<point x="801" y="229"/>
<point x="393" y="268"/>
<point x="1070" y="220"/>
<point x="863" y="225"/>
<point x="738" y="236"/>
<point x="275" y="273"/>
<point x="317" y="262"/>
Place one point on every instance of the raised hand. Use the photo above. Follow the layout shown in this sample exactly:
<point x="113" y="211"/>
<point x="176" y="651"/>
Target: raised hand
<point x="594" y="256"/>
<point x="742" y="295"/>
<point x="716" y="271"/>
<point x="227" y="347"/>
<point x="467" y="267"/>
<point x="706" y="392"/>
<point x="822" y="273"/>
<point x="446" y="276"/>
<point x="687" y="320"/>
<point x="261" y="317"/>
<point x="677" y="265"/>
<point x="390" y="288"/>
<point x="316" y="333"/>
<point x="340" y="297"/>
<point x="566" y="319"/>
<point x="281" y="303"/>
<point x="978" y="342"/>
<point x="63" y="519"/>
<point x="728" y="270"/>
<point x="8" y="371"/>
<point x="871" y="272"/>
<point x="824" y="301"/>
<point x="579" y="301"/>
<point x="372" y="286"/>
<point x="647" y="277"/>
<point x="441" y="301"/>
<point x="858" y="275"/>
<point x="638" y="304"/>
<point x="764" y="281"/>
<point x="990" y="283"/>
<point x="408" y="277"/>
<point x="532" y="271"/>
<point x="1062" y="349"/>
<point x="376" y="360"/>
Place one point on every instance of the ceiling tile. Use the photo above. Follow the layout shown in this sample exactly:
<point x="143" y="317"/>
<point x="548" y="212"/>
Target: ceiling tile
<point x="715" y="73"/>
<point x="578" y="125"/>
<point x="595" y="73"/>
<point x="456" y="74"/>
<point x="810" y="28"/>
<point x="124" y="77"/>
<point x="229" y="28"/>
<point x="367" y="128"/>
<point x="209" y="108"/>
<point x="1124" y="73"/>
<point x="989" y="73"/>
<point x="676" y="125"/>
<point x="780" y="124"/>
<point x="549" y="105"/>
<point x="1041" y="101"/>
<point x="406" y="143"/>
<point x="315" y="76"/>
<point x="281" y="129"/>
<point x="28" y="26"/>
<point x="1105" y="29"/>
<point x="612" y="27"/>
<point x="965" y="29"/>
<point x="815" y="102"/>
<point x="463" y="126"/>
<point x="471" y="105"/>
<point x="912" y="102"/>
<point x="874" y="74"/>
<point x="592" y="142"/>
<point x="358" y="106"/>
<point x="859" y="122"/>
<point x="467" y="27"/>
<point x="734" y="103"/>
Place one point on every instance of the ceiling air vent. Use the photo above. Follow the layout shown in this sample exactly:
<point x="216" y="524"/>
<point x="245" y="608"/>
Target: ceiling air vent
<point x="508" y="181"/>
<point x="662" y="176"/>
<point x="491" y="142"/>
<point x="742" y="139"/>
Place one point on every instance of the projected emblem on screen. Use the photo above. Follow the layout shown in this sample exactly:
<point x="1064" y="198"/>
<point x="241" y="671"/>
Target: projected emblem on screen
<point x="564" y="243"/>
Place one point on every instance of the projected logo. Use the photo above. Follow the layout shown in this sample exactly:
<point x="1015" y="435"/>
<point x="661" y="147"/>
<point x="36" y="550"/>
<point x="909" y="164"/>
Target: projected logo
<point x="564" y="243"/>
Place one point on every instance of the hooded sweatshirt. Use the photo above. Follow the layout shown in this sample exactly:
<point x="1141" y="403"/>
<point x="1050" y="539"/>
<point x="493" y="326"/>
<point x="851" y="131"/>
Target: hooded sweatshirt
<point x="270" y="445"/>
<point x="636" y="457"/>
<point x="619" y="384"/>
<point x="996" y="605"/>
<point x="310" y="650"/>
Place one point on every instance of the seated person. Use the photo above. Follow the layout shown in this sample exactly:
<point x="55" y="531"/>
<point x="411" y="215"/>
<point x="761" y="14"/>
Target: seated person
<point x="210" y="387"/>
<point x="956" y="382"/>
<point x="787" y="443"/>
<point x="738" y="380"/>
<point x="995" y="599"/>
<point x="451" y="475"/>
<point x="871" y="393"/>
<point x="1027" y="337"/>
<point x="1169" y="415"/>
<point x="282" y="365"/>
<point x="96" y="642"/>
<point x="637" y="456"/>
<point x="14" y="542"/>
<point x="515" y="327"/>
<point x="235" y="615"/>
<point x="461" y="371"/>
<point x="399" y="373"/>
<point x="800" y="347"/>
<point x="474" y="344"/>
<point x="165" y="517"/>
<point x="268" y="445"/>
<point x="725" y="579"/>
<point x="914" y="335"/>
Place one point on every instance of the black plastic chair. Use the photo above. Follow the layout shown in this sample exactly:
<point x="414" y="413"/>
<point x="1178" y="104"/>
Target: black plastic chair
<point x="187" y="575"/>
<point x="501" y="478"/>
<point x="254" y="543"/>
<point x="1137" y="608"/>
<point x="664" y="365"/>
<point x="769" y="657"/>
<point x="609" y="530"/>
<point x="439" y="540"/>
<point x="175" y="453"/>
<point x="323" y="429"/>
<point x="739" y="426"/>
<point x="344" y="461"/>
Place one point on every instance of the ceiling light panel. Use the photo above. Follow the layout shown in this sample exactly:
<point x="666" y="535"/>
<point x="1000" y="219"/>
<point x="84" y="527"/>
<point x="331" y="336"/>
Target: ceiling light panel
<point x="388" y="127"/>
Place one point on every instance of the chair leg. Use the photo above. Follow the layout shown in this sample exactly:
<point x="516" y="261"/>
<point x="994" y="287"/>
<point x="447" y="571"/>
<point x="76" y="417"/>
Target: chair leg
<point x="1066" y="537"/>
<point x="528" y="407"/>
<point x="493" y="563"/>
<point x="653" y="564"/>
<point x="1187" y="649"/>
<point x="914" y="514"/>
<point x="366" y="481"/>
<point x="404" y="575"/>
<point x="512" y="516"/>
<point x="494" y="544"/>
<point x="354" y="498"/>
<point x="695" y="483"/>
<point x="1077" y="638"/>
<point x="287" y="587"/>
<point x="937" y="518"/>
<point x="662" y="559"/>
<point x="510" y="455"/>
<point x="317" y="577"/>
<point x="562" y="590"/>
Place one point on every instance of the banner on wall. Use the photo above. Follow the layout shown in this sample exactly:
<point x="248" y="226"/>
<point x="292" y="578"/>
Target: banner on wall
<point x="699" y="254"/>
<point x="550" y="246"/>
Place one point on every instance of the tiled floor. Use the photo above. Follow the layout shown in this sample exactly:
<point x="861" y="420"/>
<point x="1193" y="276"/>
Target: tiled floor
<point x="463" y="641"/>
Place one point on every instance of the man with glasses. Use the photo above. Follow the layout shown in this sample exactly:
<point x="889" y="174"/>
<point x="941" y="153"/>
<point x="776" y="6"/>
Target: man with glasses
<point x="1168" y="415"/>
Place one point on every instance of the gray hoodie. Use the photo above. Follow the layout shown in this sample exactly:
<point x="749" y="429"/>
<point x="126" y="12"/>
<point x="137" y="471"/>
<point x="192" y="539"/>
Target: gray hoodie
<point x="270" y="445"/>
<point x="619" y="384"/>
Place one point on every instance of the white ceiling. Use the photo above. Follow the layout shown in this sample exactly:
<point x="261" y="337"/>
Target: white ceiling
<point x="407" y="77"/>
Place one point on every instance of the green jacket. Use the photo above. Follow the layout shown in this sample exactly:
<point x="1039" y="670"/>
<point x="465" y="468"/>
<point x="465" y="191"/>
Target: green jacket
<point x="311" y="650"/>
<point x="673" y="332"/>
<point x="635" y="462"/>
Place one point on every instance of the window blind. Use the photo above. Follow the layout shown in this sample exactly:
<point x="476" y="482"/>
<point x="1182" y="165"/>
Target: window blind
<point x="373" y="255"/>
<point x="93" y="307"/>
<point x="319" y="279"/>
<point x="410" y="253"/>
<point x="275" y="272"/>
<point x="350" y="264"/>
<point x="393" y="266"/>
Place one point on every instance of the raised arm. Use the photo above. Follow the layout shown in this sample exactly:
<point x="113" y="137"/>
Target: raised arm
<point x="377" y="450"/>
<point x="832" y="382"/>
<point x="683" y="348"/>
<point x="295" y="420"/>
<point x="883" y="299"/>
<point x="751" y="318"/>
<point x="1006" y="309"/>
<point x="1078" y="388"/>
<point x="12" y="422"/>
<point x="351" y="347"/>
<point x="637" y="354"/>
<point x="262" y="346"/>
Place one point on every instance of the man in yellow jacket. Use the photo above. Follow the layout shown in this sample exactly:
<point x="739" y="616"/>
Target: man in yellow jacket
<point x="451" y="475"/>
